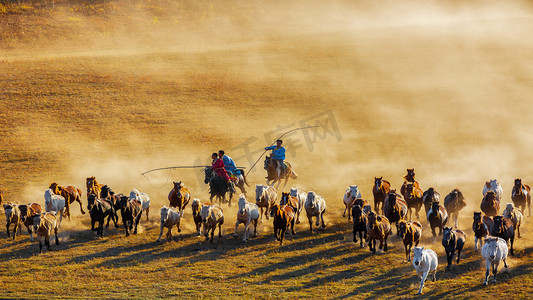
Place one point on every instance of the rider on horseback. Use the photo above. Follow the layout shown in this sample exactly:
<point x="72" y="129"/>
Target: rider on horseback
<point x="229" y="165"/>
<point x="278" y="154"/>
<point x="218" y="168"/>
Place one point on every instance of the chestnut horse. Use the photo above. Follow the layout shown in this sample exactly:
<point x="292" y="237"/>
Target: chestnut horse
<point x="410" y="233"/>
<point x="430" y="196"/>
<point x="454" y="202"/>
<point x="490" y="205"/>
<point x="395" y="209"/>
<point x="412" y="195"/>
<point x="380" y="190"/>
<point x="521" y="196"/>
<point x="273" y="175"/>
<point x="93" y="187"/>
<point x="377" y="228"/>
<point x="179" y="196"/>
<point x="70" y="194"/>
<point x="480" y="228"/>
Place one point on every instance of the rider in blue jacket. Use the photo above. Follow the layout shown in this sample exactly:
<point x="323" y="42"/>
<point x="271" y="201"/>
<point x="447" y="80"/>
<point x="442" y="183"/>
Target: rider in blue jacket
<point x="278" y="153"/>
<point x="229" y="164"/>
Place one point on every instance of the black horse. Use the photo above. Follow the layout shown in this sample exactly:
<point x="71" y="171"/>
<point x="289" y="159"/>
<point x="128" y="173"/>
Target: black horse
<point x="218" y="187"/>
<point x="99" y="209"/>
<point x="131" y="212"/>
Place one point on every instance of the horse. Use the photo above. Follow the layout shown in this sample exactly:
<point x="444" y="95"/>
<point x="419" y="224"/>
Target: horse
<point x="503" y="228"/>
<point x="395" y="209"/>
<point x="45" y="224"/>
<point x="377" y="228"/>
<point x="493" y="185"/>
<point x="350" y="195"/>
<point x="301" y="196"/>
<point x="452" y="240"/>
<point x="212" y="215"/>
<point x="71" y="195"/>
<point x="454" y="202"/>
<point x="283" y="218"/>
<point x="359" y="224"/>
<point x="53" y="202"/>
<point x="437" y="218"/>
<point x="494" y="251"/>
<point x="410" y="233"/>
<point x="490" y="204"/>
<point x="271" y="166"/>
<point x="218" y="187"/>
<point x="412" y="194"/>
<point x="169" y="218"/>
<point x="315" y="206"/>
<point x="143" y="199"/>
<point x="196" y="206"/>
<point x="265" y="197"/>
<point x="514" y="215"/>
<point x="179" y="196"/>
<point x="248" y="213"/>
<point x="425" y="261"/>
<point x="380" y="190"/>
<point x="410" y="176"/>
<point x="241" y="180"/>
<point x="99" y="210"/>
<point x="27" y="213"/>
<point x="521" y="195"/>
<point x="131" y="212"/>
<point x="430" y="196"/>
<point x="480" y="228"/>
<point x="93" y="187"/>
<point x="12" y="217"/>
<point x="287" y="199"/>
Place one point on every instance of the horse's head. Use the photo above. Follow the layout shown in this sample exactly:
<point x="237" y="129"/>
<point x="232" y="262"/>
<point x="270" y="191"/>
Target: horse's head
<point x="208" y="173"/>
<point x="498" y="224"/>
<point x="378" y="181"/>
<point x="311" y="198"/>
<point x="195" y="206"/>
<point x="518" y="182"/>
<point x="435" y="207"/>
<point x="164" y="214"/>
<point x="508" y="212"/>
<point x="294" y="192"/>
<point x="204" y="212"/>
<point x="357" y="213"/>
<point x="24" y="212"/>
<point x="274" y="210"/>
<point x="91" y="199"/>
<point x="446" y="236"/>
<point x="367" y="209"/>
<point x="402" y="228"/>
<point x="259" y="189"/>
<point x="242" y="205"/>
<point x="354" y="191"/>
<point x="417" y="255"/>
<point x="392" y="196"/>
<point x="177" y="187"/>
<point x="410" y="175"/>
<point x="54" y="187"/>
<point x="284" y="198"/>
<point x="478" y="221"/>
<point x="490" y="197"/>
<point x="268" y="162"/>
<point x="90" y="182"/>
<point x="37" y="221"/>
<point x="491" y="246"/>
<point x="371" y="219"/>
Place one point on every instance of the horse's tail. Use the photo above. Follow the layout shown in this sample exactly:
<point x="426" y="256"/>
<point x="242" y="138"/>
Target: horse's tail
<point x="293" y="174"/>
<point x="244" y="177"/>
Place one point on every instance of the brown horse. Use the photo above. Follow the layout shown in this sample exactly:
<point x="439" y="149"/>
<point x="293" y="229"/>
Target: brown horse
<point x="412" y="195"/>
<point x="287" y="199"/>
<point x="437" y="218"/>
<point x="380" y="190"/>
<point x="70" y="194"/>
<point x="490" y="205"/>
<point x="395" y="209"/>
<point x="377" y="228"/>
<point x="93" y="187"/>
<point x="430" y="196"/>
<point x="271" y="165"/>
<point x="521" y="196"/>
<point x="410" y="233"/>
<point x="179" y="196"/>
<point x="454" y="202"/>
<point x="480" y="228"/>
<point x="284" y="217"/>
<point x="27" y="213"/>
<point x="503" y="228"/>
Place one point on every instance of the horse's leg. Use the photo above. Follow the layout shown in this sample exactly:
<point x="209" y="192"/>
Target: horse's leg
<point x="322" y="219"/>
<point x="459" y="254"/>
<point x="422" y="279"/>
<point x="137" y="220"/>
<point x="511" y="251"/>
<point x="245" y="235"/>
<point x="126" y="226"/>
<point x="55" y="232"/>
<point x="219" y="230"/>
<point x="292" y="226"/>
<point x="282" y="234"/>
<point x="40" y="244"/>
<point x="494" y="271"/>
<point x="213" y="233"/>
<point x="162" y="227"/>
<point x="310" y="219"/>
<point x="78" y="199"/>
<point x="7" y="226"/>
<point x="255" y="228"/>
<point x="147" y="211"/>
<point x="169" y="234"/>
<point x="30" y="232"/>
<point x="47" y="242"/>
<point x="235" y="235"/>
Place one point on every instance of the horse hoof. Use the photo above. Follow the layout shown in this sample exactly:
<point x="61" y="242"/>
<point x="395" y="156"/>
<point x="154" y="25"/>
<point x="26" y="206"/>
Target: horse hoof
<point x="485" y="283"/>
<point x="158" y="241"/>
<point x="493" y="281"/>
<point x="179" y="230"/>
<point x="297" y="222"/>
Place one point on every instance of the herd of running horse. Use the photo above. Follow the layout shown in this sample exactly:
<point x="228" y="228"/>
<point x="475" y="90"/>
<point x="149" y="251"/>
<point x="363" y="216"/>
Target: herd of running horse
<point x="372" y="226"/>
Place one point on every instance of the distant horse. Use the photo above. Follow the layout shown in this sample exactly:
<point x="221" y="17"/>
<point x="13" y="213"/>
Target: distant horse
<point x="131" y="212"/>
<point x="490" y="204"/>
<point x="437" y="218"/>
<point x="425" y="261"/>
<point x="27" y="213"/>
<point x="53" y="202"/>
<point x="521" y="195"/>
<point x="377" y="228"/>
<point x="45" y="224"/>
<point x="218" y="187"/>
<point x="70" y="194"/>
<point x="359" y="224"/>
<point x="410" y="176"/>
<point x="493" y="185"/>
<point x="430" y="196"/>
<point x="494" y="251"/>
<point x="454" y="202"/>
<point x="143" y="199"/>
<point x="412" y="195"/>
<point x="503" y="228"/>
<point x="12" y="217"/>
<point x="287" y="199"/>
<point x="283" y="219"/>
<point x="273" y="176"/>
<point x="170" y="217"/>
<point x="196" y="206"/>
<point x="480" y="228"/>
<point x="179" y="196"/>
<point x="513" y="214"/>
<point x="93" y="187"/>
<point x="380" y="190"/>
<point x="453" y="240"/>
<point x="265" y="197"/>
<point x="248" y="213"/>
<point x="350" y="195"/>
<point x="241" y="180"/>
<point x="410" y="233"/>
<point x="395" y="209"/>
<point x="315" y="206"/>
<point x="212" y="215"/>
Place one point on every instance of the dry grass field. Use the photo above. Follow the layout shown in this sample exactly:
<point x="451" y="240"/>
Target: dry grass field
<point x="115" y="88"/>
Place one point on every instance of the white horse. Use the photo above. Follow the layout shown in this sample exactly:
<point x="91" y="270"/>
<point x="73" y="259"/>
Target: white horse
<point x="265" y="196"/>
<point x="247" y="213"/>
<point x="494" y="250"/>
<point x="350" y="195"/>
<point x="301" y="196"/>
<point x="170" y="217"/>
<point x="493" y="185"/>
<point x="424" y="261"/>
<point x="141" y="198"/>
<point x="53" y="202"/>
<point x="511" y="212"/>
<point x="315" y="206"/>
<point x="212" y="215"/>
